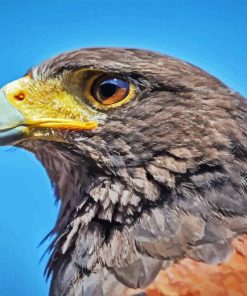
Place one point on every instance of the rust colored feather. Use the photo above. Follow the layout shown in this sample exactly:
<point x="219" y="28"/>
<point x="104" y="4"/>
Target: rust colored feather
<point x="191" y="278"/>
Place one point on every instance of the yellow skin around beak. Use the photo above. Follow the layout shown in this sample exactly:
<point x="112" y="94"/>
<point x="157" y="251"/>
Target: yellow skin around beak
<point x="28" y="103"/>
<point x="47" y="104"/>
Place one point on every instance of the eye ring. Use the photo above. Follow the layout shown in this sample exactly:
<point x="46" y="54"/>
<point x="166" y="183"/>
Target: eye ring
<point x="109" y="90"/>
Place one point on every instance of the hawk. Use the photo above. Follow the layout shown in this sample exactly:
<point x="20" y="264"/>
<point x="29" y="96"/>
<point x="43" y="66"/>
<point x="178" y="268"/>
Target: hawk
<point x="148" y="158"/>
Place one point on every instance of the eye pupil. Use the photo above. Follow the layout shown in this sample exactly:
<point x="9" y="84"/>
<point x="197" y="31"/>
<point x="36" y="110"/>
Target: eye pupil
<point x="110" y="90"/>
<point x="107" y="89"/>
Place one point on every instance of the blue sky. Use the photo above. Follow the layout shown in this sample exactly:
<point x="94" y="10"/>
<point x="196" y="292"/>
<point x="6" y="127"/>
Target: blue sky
<point x="209" y="34"/>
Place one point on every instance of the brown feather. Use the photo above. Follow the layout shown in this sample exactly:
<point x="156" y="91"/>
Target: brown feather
<point x="162" y="180"/>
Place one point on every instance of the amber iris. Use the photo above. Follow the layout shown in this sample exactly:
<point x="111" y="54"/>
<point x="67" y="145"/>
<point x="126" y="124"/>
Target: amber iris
<point x="110" y="90"/>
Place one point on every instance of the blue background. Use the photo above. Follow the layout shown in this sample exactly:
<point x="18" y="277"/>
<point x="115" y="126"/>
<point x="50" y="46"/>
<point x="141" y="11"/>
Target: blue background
<point x="210" y="34"/>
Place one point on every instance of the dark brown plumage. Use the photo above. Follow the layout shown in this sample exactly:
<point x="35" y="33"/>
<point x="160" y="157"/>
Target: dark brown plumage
<point x="162" y="179"/>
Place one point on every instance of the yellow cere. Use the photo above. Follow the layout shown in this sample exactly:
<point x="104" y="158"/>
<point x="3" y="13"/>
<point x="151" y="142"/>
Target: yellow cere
<point x="94" y="102"/>
<point x="48" y="104"/>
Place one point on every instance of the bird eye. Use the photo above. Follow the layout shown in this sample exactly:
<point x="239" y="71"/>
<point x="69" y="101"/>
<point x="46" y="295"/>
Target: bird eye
<point x="110" y="90"/>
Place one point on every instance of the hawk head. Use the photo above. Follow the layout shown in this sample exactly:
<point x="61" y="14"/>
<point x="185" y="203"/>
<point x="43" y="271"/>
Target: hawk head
<point x="147" y="155"/>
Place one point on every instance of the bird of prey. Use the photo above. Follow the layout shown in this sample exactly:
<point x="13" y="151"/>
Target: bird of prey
<point x="148" y="158"/>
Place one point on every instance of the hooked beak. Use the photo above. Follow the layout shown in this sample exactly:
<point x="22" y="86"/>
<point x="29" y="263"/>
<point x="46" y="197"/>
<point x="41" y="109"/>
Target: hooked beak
<point x="29" y="108"/>
<point x="12" y="123"/>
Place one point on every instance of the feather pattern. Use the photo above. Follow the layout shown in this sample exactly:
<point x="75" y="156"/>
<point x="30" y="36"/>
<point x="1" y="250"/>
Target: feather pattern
<point x="162" y="180"/>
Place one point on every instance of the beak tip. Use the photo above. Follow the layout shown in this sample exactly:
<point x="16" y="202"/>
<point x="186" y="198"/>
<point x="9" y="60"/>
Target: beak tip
<point x="11" y="122"/>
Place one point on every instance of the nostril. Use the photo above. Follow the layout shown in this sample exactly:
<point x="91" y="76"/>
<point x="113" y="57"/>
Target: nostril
<point x="20" y="96"/>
